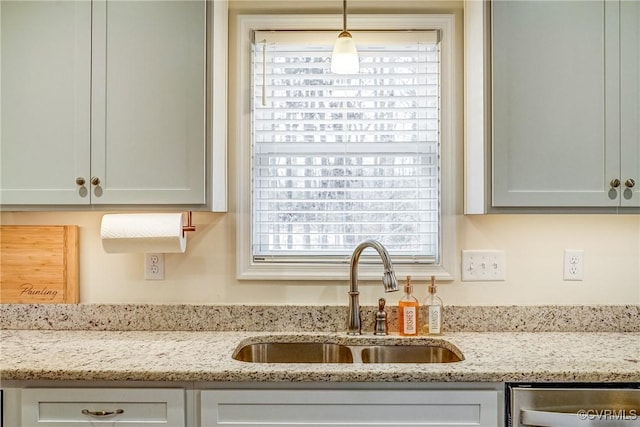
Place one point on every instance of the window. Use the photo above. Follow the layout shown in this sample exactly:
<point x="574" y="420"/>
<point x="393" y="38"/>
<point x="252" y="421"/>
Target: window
<point x="336" y="160"/>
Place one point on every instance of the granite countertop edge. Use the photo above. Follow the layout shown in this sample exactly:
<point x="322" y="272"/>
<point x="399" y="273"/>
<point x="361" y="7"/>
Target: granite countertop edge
<point x="206" y="356"/>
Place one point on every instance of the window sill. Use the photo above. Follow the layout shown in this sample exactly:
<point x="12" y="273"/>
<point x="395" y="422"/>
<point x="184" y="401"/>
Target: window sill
<point x="338" y="272"/>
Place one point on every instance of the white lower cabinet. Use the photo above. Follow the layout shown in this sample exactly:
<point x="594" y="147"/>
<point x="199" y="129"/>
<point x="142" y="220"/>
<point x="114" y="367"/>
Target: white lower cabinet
<point x="102" y="406"/>
<point x="350" y="407"/>
<point x="256" y="404"/>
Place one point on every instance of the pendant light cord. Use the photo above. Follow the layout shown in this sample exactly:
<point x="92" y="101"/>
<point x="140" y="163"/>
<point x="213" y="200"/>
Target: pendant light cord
<point x="344" y="15"/>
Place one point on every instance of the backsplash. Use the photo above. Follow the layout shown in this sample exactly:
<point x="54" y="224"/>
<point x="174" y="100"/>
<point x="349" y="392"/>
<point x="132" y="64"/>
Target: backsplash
<point x="534" y="246"/>
<point x="294" y="318"/>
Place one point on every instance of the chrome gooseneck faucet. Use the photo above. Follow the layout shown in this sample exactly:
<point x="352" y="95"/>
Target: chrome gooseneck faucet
<point x="354" y="323"/>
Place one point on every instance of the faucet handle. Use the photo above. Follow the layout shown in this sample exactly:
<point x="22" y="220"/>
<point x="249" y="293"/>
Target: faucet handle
<point x="381" y="319"/>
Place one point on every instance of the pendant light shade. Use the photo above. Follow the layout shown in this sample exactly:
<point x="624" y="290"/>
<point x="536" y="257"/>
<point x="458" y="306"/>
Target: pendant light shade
<point x="344" y="59"/>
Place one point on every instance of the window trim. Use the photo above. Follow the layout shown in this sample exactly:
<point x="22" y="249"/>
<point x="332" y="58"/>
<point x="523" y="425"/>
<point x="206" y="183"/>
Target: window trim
<point x="246" y="268"/>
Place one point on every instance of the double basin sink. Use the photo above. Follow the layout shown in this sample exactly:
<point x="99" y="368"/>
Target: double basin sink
<point x="320" y="350"/>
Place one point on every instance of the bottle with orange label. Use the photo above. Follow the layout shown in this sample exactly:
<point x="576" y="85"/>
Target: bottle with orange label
<point x="408" y="311"/>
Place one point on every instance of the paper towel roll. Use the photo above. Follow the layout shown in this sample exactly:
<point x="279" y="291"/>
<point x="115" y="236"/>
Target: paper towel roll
<point x="149" y="233"/>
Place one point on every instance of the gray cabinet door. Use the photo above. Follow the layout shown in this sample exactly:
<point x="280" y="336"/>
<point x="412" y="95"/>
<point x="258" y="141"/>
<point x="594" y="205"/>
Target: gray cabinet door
<point x="148" y="101"/>
<point x="556" y="101"/>
<point x="110" y="94"/>
<point x="630" y="102"/>
<point x="45" y="89"/>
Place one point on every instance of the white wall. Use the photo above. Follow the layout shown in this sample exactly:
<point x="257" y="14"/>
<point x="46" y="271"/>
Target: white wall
<point x="534" y="244"/>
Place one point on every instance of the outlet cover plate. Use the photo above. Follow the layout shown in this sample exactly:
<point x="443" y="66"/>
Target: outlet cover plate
<point x="484" y="266"/>
<point x="573" y="265"/>
<point x="153" y="266"/>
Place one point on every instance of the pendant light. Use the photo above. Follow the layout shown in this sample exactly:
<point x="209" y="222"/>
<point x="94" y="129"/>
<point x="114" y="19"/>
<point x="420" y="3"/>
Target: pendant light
<point x="344" y="59"/>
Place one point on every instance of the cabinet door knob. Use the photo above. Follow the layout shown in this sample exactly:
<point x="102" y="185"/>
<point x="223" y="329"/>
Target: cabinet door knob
<point x="80" y="181"/>
<point x="630" y="183"/>
<point x="95" y="180"/>
<point x="615" y="183"/>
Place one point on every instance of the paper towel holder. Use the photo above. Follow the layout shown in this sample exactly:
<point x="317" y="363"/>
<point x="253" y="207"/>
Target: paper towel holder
<point x="189" y="226"/>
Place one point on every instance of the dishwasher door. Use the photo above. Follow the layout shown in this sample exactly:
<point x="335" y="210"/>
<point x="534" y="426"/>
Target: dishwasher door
<point x="573" y="405"/>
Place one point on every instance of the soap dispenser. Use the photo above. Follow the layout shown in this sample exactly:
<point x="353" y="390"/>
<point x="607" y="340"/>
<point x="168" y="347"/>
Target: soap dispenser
<point x="434" y="310"/>
<point x="381" y="326"/>
<point x="408" y="311"/>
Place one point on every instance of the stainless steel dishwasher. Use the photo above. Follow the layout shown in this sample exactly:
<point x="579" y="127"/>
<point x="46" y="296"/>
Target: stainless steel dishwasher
<point x="572" y="404"/>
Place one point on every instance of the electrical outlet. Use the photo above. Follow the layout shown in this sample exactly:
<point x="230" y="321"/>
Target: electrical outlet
<point x="483" y="266"/>
<point x="573" y="264"/>
<point x="154" y="266"/>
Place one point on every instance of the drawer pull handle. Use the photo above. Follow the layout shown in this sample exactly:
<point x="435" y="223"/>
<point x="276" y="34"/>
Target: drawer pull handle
<point x="102" y="413"/>
<point x="630" y="183"/>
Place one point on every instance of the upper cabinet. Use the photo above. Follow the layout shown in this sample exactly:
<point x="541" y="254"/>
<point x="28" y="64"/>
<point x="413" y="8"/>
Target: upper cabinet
<point x="630" y="102"/>
<point x="557" y="104"/>
<point x="148" y="101"/>
<point x="105" y="102"/>
<point x="45" y="95"/>
<point x="563" y="105"/>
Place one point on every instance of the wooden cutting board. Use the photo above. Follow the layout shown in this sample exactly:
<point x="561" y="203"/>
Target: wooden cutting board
<point x="39" y="264"/>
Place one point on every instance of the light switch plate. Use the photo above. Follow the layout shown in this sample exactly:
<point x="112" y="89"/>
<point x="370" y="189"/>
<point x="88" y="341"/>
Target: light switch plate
<point x="483" y="266"/>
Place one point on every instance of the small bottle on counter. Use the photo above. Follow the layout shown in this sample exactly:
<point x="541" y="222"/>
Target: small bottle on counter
<point x="434" y="310"/>
<point x="408" y="311"/>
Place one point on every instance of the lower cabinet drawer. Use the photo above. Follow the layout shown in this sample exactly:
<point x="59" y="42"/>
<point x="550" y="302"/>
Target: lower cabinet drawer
<point x="380" y="408"/>
<point x="113" y="407"/>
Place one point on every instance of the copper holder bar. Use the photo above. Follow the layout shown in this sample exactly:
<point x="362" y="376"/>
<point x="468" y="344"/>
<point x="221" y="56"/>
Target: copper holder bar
<point x="189" y="226"/>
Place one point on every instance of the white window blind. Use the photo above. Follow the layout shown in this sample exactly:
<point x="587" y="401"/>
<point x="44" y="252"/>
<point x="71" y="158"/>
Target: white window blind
<point x="340" y="159"/>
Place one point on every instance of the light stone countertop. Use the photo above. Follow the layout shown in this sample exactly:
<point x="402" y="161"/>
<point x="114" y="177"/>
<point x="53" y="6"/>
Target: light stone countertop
<point x="206" y="356"/>
<point x="310" y="318"/>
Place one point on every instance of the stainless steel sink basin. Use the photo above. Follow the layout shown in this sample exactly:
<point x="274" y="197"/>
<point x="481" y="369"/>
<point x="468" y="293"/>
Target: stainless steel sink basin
<point x="432" y="351"/>
<point x="408" y="354"/>
<point x="290" y="352"/>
